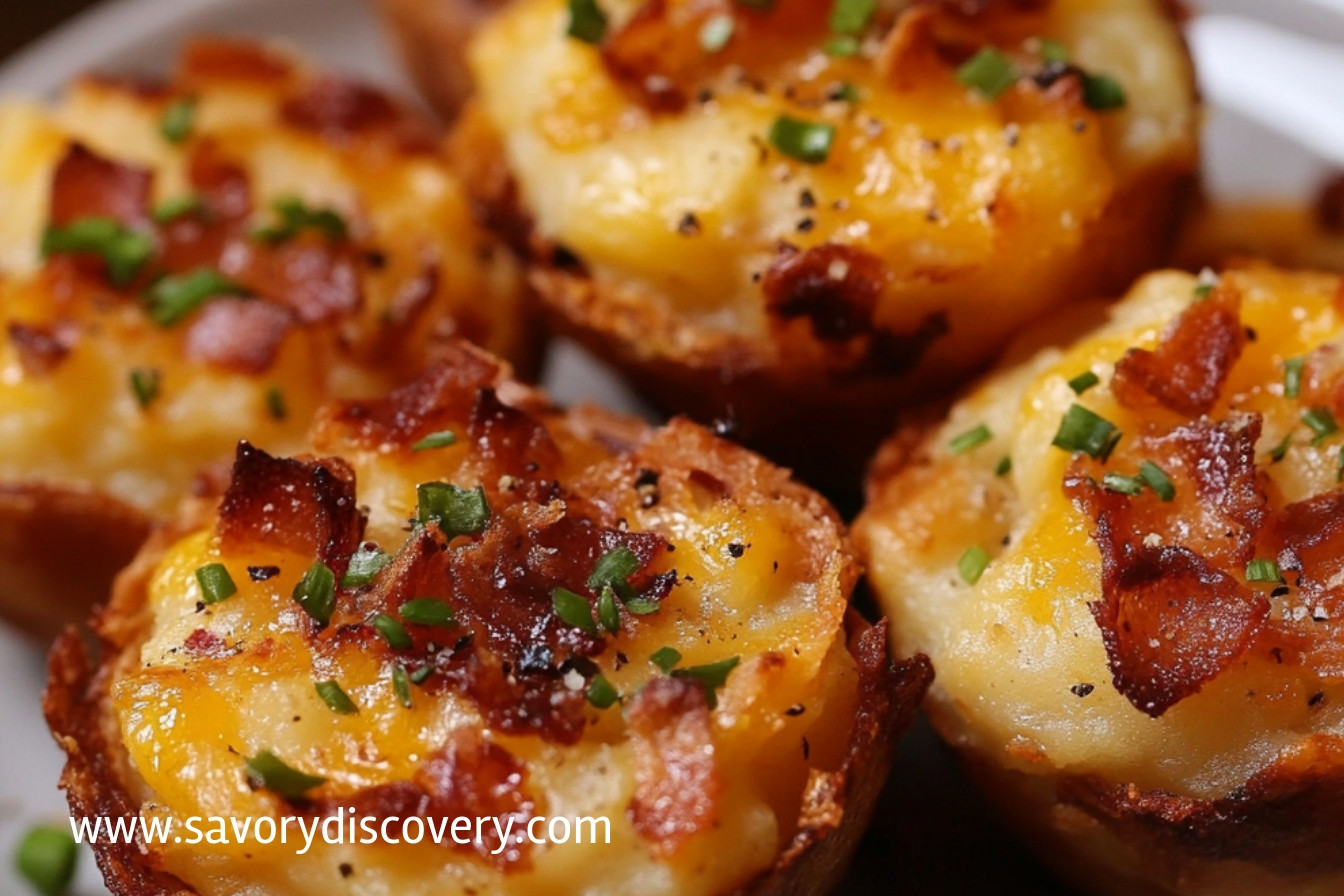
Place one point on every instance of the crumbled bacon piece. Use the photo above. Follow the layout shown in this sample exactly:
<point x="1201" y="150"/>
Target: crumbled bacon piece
<point x="218" y="59"/>
<point x="1185" y="373"/>
<point x="204" y="642"/>
<point x="657" y="52"/>
<point x="305" y="506"/>
<point x="237" y="334"/>
<point x="677" y="782"/>
<point x="834" y="286"/>
<point x="338" y="110"/>
<point x="1170" y="621"/>
<point x="318" y="281"/>
<point x="1312" y="535"/>
<point x="41" y="348"/>
<point x="86" y="185"/>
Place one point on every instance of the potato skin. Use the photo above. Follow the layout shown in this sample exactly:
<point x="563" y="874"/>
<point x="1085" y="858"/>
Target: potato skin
<point x="706" y="493"/>
<point x="353" y="304"/>
<point x="1145" y="730"/>
<point x="810" y="301"/>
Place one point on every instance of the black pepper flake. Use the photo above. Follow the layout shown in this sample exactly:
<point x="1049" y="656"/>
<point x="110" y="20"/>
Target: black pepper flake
<point x="806" y="225"/>
<point x="736" y="550"/>
<point x="1251" y="335"/>
<point x="806" y="199"/>
<point x="807" y="750"/>
<point x="689" y="225"/>
<point x="1316" y="699"/>
<point x="1280" y="591"/>
<point x="621" y="660"/>
<point x="796" y="709"/>
<point x="646" y="486"/>
<point x="1082" y="690"/>
<point x="200" y="606"/>
<point x="346" y="869"/>
<point x="1277" y="653"/>
<point x="262" y="573"/>
<point x="375" y="259"/>
<point x="1079" y="126"/>
<point x="704" y="96"/>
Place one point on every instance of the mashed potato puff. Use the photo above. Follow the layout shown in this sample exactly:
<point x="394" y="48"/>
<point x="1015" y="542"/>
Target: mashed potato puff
<point x="185" y="261"/>
<point x="1123" y="559"/>
<point x="806" y="215"/>
<point x="584" y="617"/>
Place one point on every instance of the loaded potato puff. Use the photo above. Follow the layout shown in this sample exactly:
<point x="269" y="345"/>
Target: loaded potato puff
<point x="1124" y="559"/>
<point x="188" y="261"/>
<point x="801" y="215"/>
<point x="584" y="617"/>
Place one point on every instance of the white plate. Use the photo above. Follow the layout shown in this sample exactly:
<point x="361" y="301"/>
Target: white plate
<point x="142" y="35"/>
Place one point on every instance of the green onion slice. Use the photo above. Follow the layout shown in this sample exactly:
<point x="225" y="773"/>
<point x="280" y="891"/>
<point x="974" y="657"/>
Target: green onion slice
<point x="457" y="511"/>
<point x="267" y="771"/>
<point x="1082" y="430"/>
<point x="573" y="610"/>
<point x="435" y="440"/>
<point x="393" y="632"/>
<point x="216" y="583"/>
<point x="712" y="675"/>
<point x="428" y="611"/>
<point x="1157" y="479"/>
<point x="46" y="858"/>
<point x="970" y="439"/>
<point x="989" y="73"/>
<point x="337" y="700"/>
<point x="974" y="560"/>
<point x="316" y="592"/>
<point x="666" y="658"/>
<point x="601" y="693"/>
<point x="806" y="141"/>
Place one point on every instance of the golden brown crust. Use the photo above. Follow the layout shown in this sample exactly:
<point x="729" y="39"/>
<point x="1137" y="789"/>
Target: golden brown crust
<point x="43" y="528"/>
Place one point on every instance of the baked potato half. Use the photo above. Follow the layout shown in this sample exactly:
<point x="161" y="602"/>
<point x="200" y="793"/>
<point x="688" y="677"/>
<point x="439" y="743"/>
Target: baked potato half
<point x="1123" y="558"/>
<point x="585" y="617"/>
<point x="802" y="215"/>
<point x="184" y="262"/>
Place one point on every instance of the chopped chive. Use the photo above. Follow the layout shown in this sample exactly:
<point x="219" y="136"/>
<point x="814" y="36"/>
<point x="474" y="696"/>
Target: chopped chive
<point x="174" y="296"/>
<point x="123" y="251"/>
<point x="1052" y="51"/>
<point x="989" y="73"/>
<point x="145" y="384"/>
<point x="573" y="610"/>
<point x="435" y="440"/>
<point x="716" y="32"/>
<point x="1204" y="290"/>
<point x="1102" y="93"/>
<point x="852" y="16"/>
<point x="1083" y="381"/>
<point x="842" y="46"/>
<point x="806" y="141"/>
<point x="216" y="583"/>
<point x="336" y="699"/>
<point x="296" y="216"/>
<point x="401" y="686"/>
<point x="1280" y="450"/>
<point x="268" y="772"/>
<point x="666" y="658"/>
<point x="587" y="21"/>
<point x="421" y="675"/>
<point x="365" y="563"/>
<point x="1082" y="430"/>
<point x="46" y="858"/>
<point x="845" y="91"/>
<point x="457" y="511"/>
<point x="614" y="569"/>
<point x="169" y="210"/>
<point x="970" y="439"/>
<point x="1339" y="472"/>
<point x="393" y="632"/>
<point x="316" y="592"/>
<point x="1263" y="571"/>
<point x="1122" y="484"/>
<point x="641" y="606"/>
<point x="1321" y="422"/>
<point x="275" y="403"/>
<point x="178" y="119"/>
<point x="606" y="611"/>
<point x="428" y="611"/>
<point x="712" y="675"/>
<point x="1157" y="479"/>
<point x="972" y="564"/>
<point x="1004" y="466"/>
<point x="601" y="693"/>
<point x="1292" y="377"/>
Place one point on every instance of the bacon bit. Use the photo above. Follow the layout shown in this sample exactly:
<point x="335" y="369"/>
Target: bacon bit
<point x="223" y="184"/>
<point x="677" y="782"/>
<point x="1171" y="623"/>
<point x="1185" y="373"/>
<point x="438" y="399"/>
<point x="1221" y="503"/>
<point x="304" y="506"/>
<point x="1323" y="379"/>
<point x="86" y="185"/>
<point x="226" y="60"/>
<point x="237" y="334"/>
<point x="41" y="348"/>
<point x="1330" y="206"/>
<point x="203" y="642"/>
<point x="834" y="286"/>
<point x="339" y="110"/>
<point x="657" y="53"/>
<point x="468" y="776"/>
<point x="509" y="438"/>
<point x="1311" y="533"/>
<point x="315" y="279"/>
